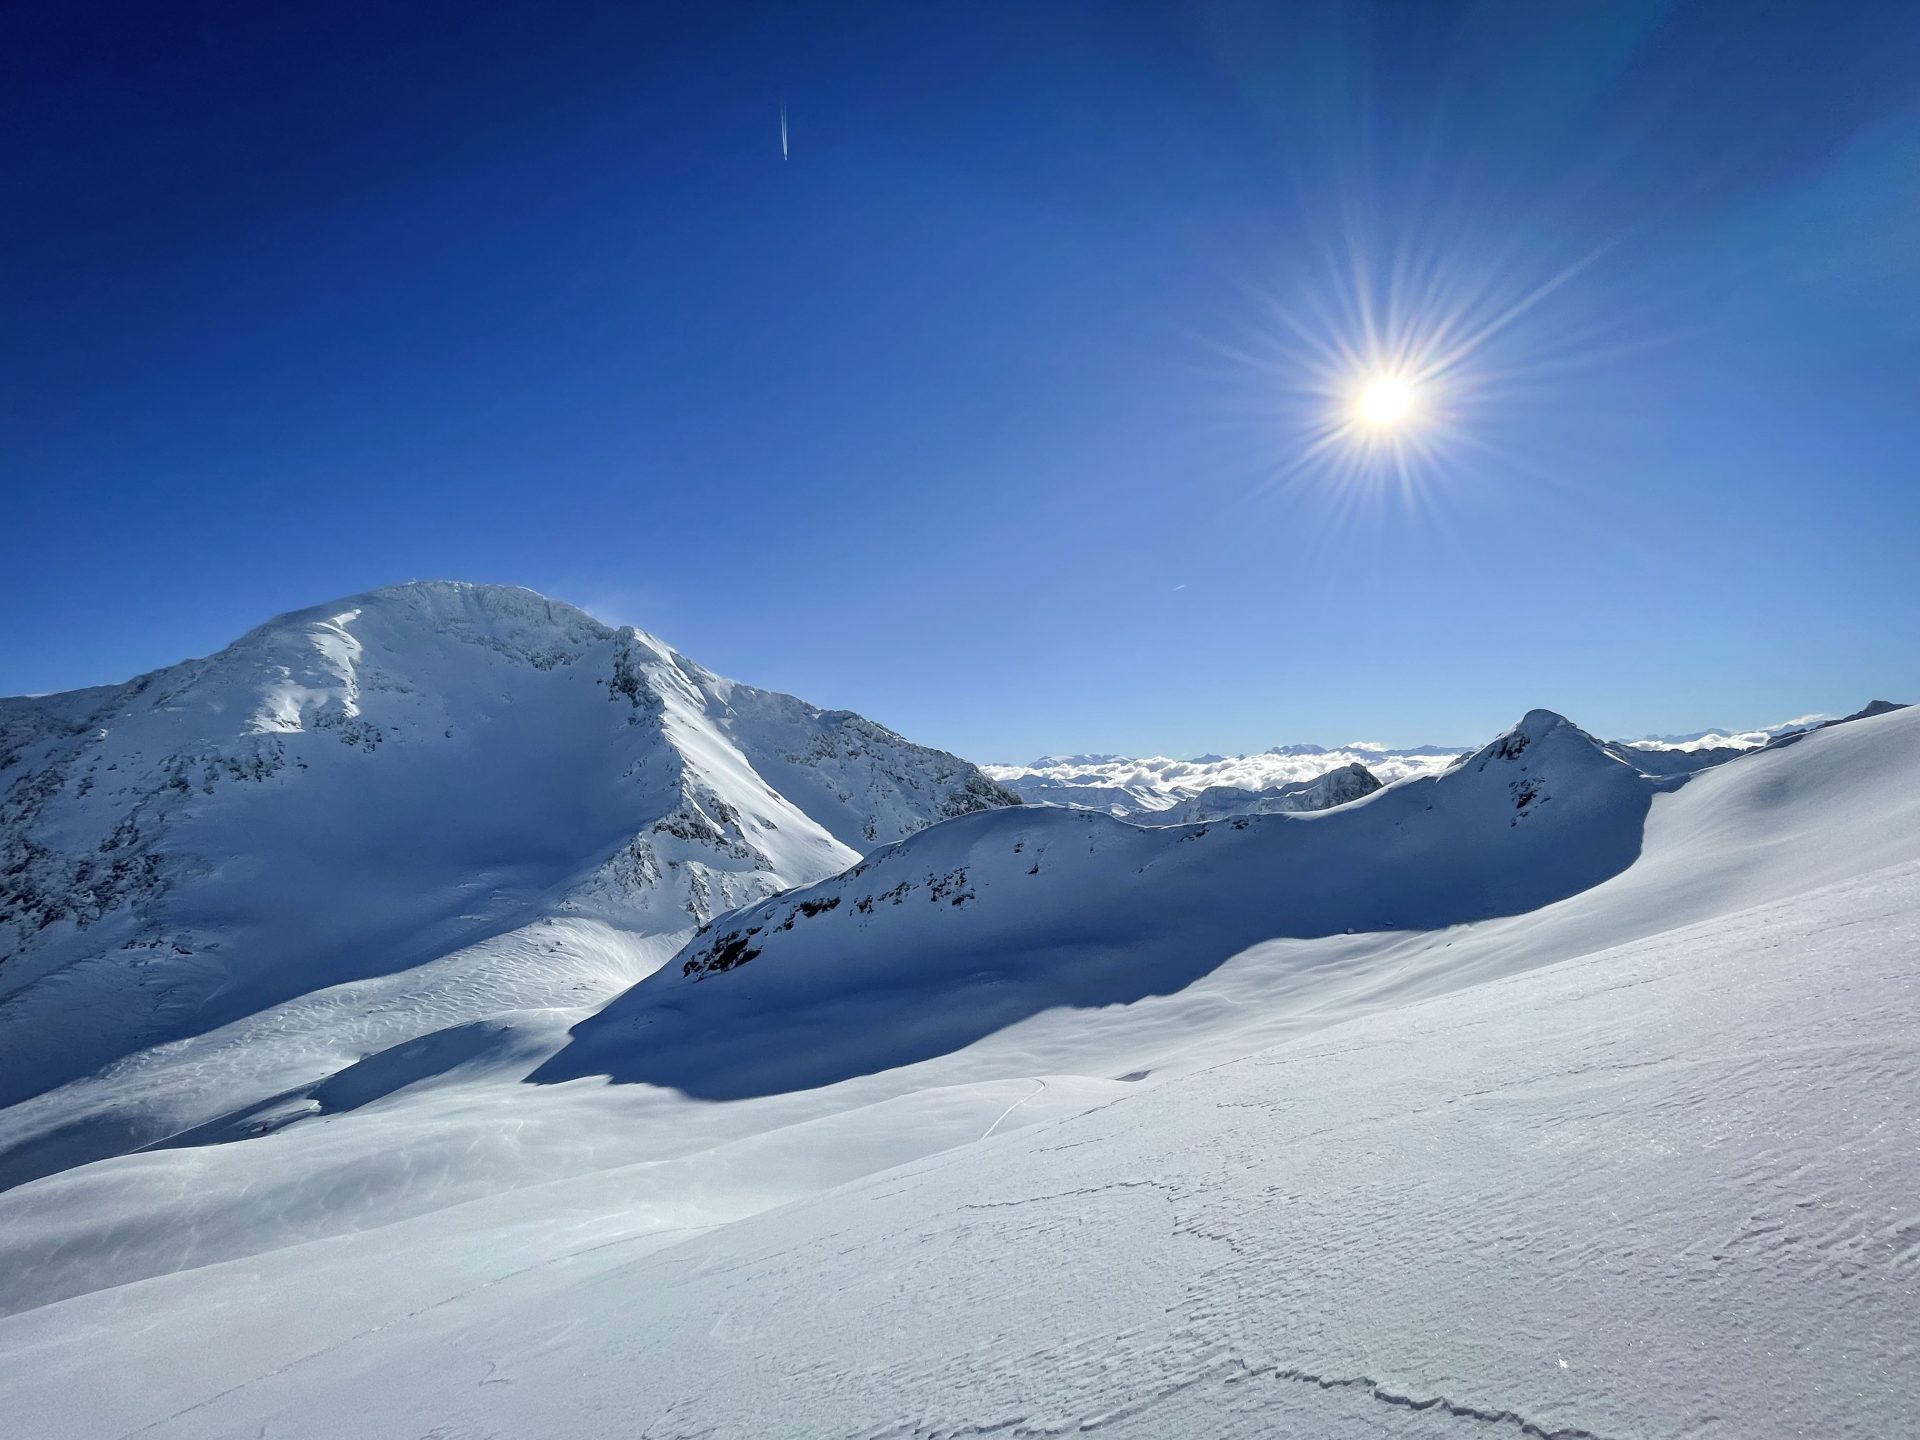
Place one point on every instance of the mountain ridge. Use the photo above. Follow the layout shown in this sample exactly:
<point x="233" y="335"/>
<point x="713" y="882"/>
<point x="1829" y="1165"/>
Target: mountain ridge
<point x="1022" y="910"/>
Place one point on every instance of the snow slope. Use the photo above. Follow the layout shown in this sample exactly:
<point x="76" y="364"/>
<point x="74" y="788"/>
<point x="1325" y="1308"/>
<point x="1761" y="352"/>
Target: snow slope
<point x="382" y="819"/>
<point x="1635" y="1155"/>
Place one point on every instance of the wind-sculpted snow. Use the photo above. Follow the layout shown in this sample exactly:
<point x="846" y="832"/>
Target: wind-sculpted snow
<point x="366" y="789"/>
<point x="979" y="923"/>
<point x="1663" y="1189"/>
<point x="1667" y="1190"/>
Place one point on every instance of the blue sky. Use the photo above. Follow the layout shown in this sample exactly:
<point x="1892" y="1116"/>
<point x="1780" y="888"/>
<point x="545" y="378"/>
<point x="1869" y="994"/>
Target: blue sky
<point x="983" y="414"/>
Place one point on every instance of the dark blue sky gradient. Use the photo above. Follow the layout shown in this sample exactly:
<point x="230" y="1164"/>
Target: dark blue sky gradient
<point x="975" y="415"/>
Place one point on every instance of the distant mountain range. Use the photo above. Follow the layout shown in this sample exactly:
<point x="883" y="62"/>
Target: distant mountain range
<point x="1159" y="789"/>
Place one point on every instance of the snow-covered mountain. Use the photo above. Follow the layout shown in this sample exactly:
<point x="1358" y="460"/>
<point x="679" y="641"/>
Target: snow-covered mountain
<point x="1579" y="1108"/>
<point x="1559" y="1088"/>
<point x="370" y="787"/>
<point x="1010" y="914"/>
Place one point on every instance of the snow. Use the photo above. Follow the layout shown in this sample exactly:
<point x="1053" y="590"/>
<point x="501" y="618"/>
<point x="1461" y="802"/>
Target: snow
<point x="1223" y="802"/>
<point x="1177" y="791"/>
<point x="1662" y="1187"/>
<point x="971" y="926"/>
<point x="1143" y="787"/>
<point x="372" y="821"/>
<point x="1540" y="1094"/>
<point x="1724" y="739"/>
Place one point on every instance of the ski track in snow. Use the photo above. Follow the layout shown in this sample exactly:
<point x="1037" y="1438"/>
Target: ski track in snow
<point x="1039" y="1088"/>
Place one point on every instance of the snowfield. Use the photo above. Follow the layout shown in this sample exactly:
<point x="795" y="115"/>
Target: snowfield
<point x="1526" y="1209"/>
<point x="1546" y="1094"/>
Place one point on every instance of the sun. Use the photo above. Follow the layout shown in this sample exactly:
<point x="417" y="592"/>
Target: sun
<point x="1383" y="363"/>
<point x="1384" y="401"/>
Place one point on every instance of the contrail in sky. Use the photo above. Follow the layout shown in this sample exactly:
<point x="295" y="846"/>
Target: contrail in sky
<point x="783" y="130"/>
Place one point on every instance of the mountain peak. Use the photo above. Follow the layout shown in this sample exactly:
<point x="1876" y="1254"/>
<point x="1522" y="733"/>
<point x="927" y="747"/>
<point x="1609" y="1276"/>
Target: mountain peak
<point x="1534" y="727"/>
<point x="455" y="605"/>
<point x="461" y="760"/>
<point x="1538" y="722"/>
<point x="1872" y="709"/>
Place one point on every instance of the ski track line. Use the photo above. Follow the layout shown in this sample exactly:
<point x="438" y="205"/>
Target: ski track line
<point x="1013" y="1107"/>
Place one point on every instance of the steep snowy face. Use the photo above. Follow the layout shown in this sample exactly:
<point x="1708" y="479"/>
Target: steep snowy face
<point x="972" y="926"/>
<point x="361" y="787"/>
<point x="865" y="784"/>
